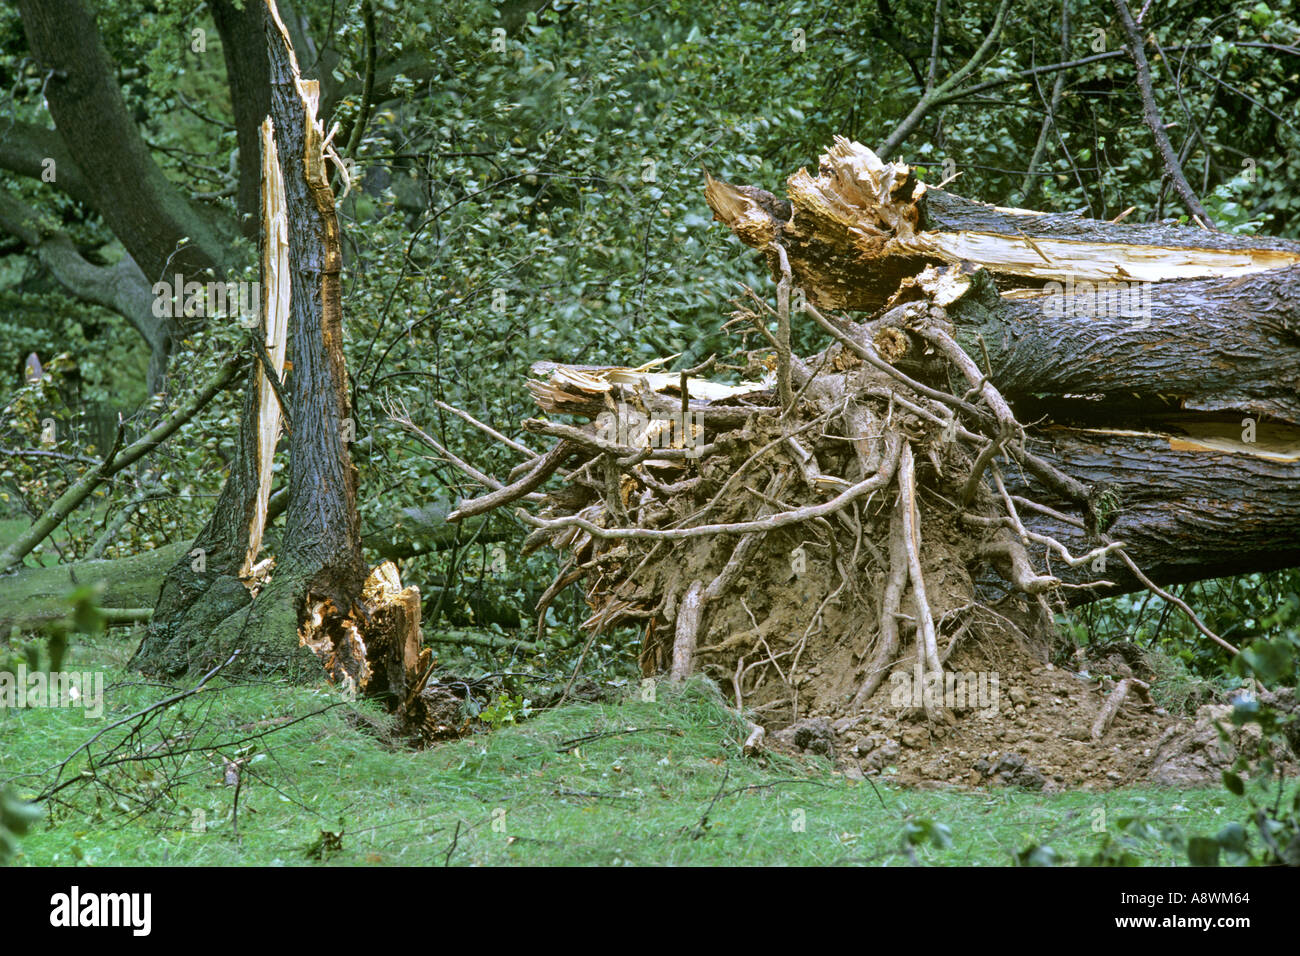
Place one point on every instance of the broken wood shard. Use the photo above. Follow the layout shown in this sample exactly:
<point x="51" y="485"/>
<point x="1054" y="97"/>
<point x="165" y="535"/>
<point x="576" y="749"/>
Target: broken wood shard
<point x="376" y="650"/>
<point x="860" y="227"/>
<point x="274" y="326"/>
<point x="558" y="388"/>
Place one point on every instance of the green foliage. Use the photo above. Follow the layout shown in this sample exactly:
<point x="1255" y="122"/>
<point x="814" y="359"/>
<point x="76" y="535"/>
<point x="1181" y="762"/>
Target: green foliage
<point x="1036" y="855"/>
<point x="506" y="710"/>
<point x="922" y="832"/>
<point x="1275" y="820"/>
<point x="1239" y="609"/>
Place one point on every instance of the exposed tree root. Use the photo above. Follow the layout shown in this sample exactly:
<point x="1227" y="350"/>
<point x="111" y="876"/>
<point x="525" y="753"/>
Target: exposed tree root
<point x="794" y="538"/>
<point x="1113" y="703"/>
<point x="794" y="554"/>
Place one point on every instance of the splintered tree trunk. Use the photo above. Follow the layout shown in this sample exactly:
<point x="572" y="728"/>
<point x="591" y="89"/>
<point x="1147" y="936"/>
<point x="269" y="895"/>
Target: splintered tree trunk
<point x="205" y="609"/>
<point x="1158" y="361"/>
<point x="313" y="603"/>
<point x="856" y="231"/>
<point x="322" y="546"/>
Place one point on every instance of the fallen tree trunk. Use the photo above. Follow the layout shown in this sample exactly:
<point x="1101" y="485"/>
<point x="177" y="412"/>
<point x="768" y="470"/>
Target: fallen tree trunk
<point x="37" y="596"/>
<point x="1036" y="411"/>
<point x="1229" y="345"/>
<point x="1163" y="361"/>
<point x="1186" y="511"/>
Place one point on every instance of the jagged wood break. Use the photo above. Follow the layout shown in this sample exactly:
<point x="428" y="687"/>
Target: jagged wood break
<point x="314" y="601"/>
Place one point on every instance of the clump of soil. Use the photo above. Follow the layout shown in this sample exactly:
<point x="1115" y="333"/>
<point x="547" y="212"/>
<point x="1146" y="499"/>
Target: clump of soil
<point x="1035" y="733"/>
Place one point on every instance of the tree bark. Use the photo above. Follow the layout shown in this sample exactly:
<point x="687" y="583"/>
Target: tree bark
<point x="322" y="545"/>
<point x="1184" y="514"/>
<point x="319" y="571"/>
<point x="1225" y="345"/>
<point x="856" y="231"/>
<point x="136" y="200"/>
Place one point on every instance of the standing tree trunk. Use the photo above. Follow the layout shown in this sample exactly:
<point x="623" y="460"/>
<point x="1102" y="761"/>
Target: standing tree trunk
<point x="216" y="599"/>
<point x="322" y="544"/>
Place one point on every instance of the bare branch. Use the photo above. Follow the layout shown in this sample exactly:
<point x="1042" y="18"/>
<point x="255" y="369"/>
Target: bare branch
<point x="1151" y="115"/>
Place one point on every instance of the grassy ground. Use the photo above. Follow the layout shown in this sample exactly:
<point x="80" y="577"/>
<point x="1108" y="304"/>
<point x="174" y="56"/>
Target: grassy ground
<point x="11" y="528"/>
<point x="629" y="782"/>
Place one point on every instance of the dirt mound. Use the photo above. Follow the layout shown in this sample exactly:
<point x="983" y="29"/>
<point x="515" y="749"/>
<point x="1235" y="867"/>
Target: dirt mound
<point x="1027" y="724"/>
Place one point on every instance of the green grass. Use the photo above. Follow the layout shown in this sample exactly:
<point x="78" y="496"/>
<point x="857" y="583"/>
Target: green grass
<point x="47" y="554"/>
<point x="10" y="529"/>
<point x="657" y="783"/>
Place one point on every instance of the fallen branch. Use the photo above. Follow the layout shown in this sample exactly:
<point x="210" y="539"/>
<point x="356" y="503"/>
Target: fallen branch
<point x="116" y="461"/>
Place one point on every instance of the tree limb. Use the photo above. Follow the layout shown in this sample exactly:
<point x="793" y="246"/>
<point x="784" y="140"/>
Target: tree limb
<point x="143" y="208"/>
<point x="121" y="287"/>
<point x="82" y="488"/>
<point x="1151" y="116"/>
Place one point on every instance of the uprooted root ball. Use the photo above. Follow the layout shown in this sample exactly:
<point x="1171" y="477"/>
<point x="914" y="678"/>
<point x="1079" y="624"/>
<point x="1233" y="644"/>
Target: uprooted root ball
<point x="793" y="553"/>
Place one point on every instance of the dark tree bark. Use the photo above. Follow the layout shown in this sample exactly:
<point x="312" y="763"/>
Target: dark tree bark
<point x="1184" y="515"/>
<point x="136" y="200"/>
<point x="320" y="606"/>
<point x="1207" y="345"/>
<point x="102" y="161"/>
<point x="24" y="149"/>
<point x="323" y="538"/>
<point x="248" y="73"/>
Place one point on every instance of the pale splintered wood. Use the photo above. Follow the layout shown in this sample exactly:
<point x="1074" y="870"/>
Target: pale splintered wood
<point x="598" y="379"/>
<point x="1272" y="441"/>
<point x="275" y="324"/>
<point x="1062" y="259"/>
<point x="860" y="227"/>
<point x="687" y="632"/>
